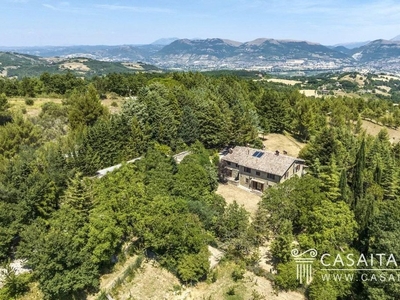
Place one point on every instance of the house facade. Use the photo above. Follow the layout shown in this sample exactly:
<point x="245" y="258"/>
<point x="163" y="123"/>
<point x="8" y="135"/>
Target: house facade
<point x="259" y="169"/>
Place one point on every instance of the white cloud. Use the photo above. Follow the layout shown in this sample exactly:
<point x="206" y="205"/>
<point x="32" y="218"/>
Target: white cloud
<point x="50" y="6"/>
<point x="139" y="9"/>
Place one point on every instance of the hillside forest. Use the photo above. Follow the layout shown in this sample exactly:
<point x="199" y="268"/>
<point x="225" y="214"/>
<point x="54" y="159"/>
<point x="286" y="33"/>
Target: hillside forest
<point x="71" y="227"/>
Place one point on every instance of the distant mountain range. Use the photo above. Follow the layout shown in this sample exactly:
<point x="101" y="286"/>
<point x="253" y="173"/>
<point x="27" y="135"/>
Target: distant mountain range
<point x="260" y="54"/>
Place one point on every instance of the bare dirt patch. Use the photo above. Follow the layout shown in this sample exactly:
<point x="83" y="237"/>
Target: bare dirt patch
<point x="246" y="198"/>
<point x="373" y="129"/>
<point x="281" y="142"/>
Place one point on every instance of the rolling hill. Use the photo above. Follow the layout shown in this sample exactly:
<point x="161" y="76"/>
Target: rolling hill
<point x="21" y="65"/>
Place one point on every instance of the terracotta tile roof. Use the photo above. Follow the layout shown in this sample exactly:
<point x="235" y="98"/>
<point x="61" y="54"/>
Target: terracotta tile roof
<point x="269" y="162"/>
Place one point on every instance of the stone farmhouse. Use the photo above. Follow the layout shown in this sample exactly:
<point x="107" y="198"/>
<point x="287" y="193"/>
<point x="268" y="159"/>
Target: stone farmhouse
<point x="259" y="169"/>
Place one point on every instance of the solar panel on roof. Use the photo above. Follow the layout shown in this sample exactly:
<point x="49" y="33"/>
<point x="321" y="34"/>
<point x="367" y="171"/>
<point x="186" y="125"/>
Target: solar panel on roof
<point x="256" y="153"/>
<point x="260" y="154"/>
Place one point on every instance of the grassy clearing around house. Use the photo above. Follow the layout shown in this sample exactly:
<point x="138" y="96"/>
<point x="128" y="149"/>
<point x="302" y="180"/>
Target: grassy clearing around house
<point x="242" y="197"/>
<point x="281" y="142"/>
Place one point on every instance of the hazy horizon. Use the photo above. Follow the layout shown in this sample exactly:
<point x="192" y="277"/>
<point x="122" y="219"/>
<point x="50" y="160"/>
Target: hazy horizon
<point x="30" y="23"/>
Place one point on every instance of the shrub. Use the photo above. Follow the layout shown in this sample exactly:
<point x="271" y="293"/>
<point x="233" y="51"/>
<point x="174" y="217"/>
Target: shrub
<point x="257" y="296"/>
<point x="231" y="291"/>
<point x="238" y="273"/>
<point x="29" y="101"/>
<point x="286" y="277"/>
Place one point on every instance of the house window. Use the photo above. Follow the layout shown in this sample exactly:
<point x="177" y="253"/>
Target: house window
<point x="237" y="165"/>
<point x="258" y="186"/>
<point x="270" y="176"/>
<point x="247" y="170"/>
<point x="228" y="163"/>
<point x="247" y="180"/>
<point x="258" y="173"/>
<point x="297" y="168"/>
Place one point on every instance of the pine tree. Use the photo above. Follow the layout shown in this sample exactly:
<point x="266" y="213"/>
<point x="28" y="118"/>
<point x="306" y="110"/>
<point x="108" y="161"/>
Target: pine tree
<point x="358" y="176"/>
<point x="79" y="194"/>
<point x="330" y="181"/>
<point x="343" y="187"/>
<point x="85" y="109"/>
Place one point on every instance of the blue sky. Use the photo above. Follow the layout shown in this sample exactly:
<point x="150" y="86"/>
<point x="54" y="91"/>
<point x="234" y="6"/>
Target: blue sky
<point x="89" y="22"/>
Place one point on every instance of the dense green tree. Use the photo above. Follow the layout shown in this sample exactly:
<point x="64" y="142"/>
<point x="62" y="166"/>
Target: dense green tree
<point x="84" y="109"/>
<point x="272" y="111"/>
<point x="234" y="222"/>
<point x="5" y="116"/>
<point x="188" y="130"/>
<point x="384" y="232"/>
<point x="281" y="246"/>
<point x="56" y="253"/>
<point x="357" y="185"/>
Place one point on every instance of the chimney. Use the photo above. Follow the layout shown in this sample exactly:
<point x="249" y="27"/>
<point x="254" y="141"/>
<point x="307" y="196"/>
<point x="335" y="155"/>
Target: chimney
<point x="230" y="150"/>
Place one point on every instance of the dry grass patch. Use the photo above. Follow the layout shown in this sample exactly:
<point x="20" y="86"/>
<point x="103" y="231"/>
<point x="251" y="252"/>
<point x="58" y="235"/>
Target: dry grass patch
<point x="360" y="80"/>
<point x="18" y="104"/>
<point x="150" y="282"/>
<point x="76" y="66"/>
<point x="284" y="81"/>
<point x="281" y="142"/>
<point x="113" y="105"/>
<point x="386" y="77"/>
<point x="373" y="129"/>
<point x="309" y="93"/>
